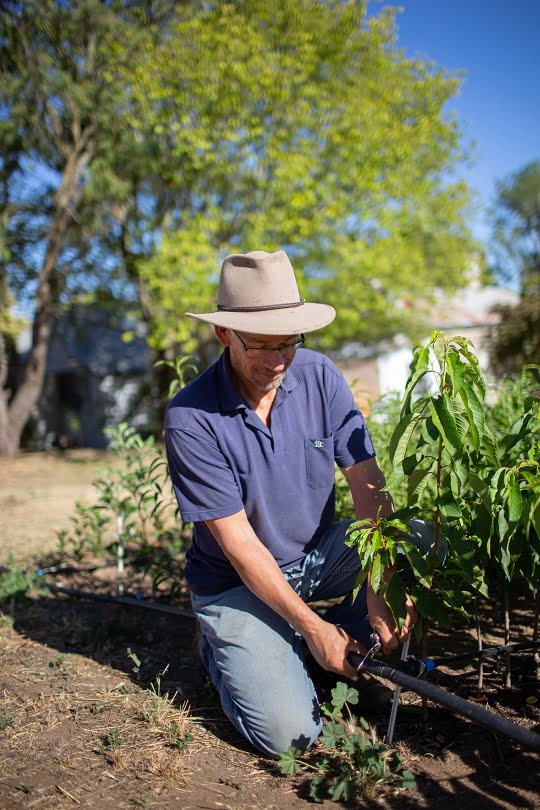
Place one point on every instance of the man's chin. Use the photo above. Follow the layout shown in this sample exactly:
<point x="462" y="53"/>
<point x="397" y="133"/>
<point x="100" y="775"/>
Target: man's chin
<point x="271" y="385"/>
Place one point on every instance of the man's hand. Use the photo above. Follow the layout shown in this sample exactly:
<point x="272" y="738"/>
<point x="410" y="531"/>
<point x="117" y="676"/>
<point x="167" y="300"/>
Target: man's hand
<point x="382" y="621"/>
<point x="330" y="645"/>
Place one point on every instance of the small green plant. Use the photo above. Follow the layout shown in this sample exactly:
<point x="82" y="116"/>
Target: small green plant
<point x="136" y="668"/>
<point x="143" y="801"/>
<point x="178" y="738"/>
<point x="353" y="763"/>
<point x="181" y="366"/>
<point x="15" y="582"/>
<point x="112" y="741"/>
<point x="6" y="719"/>
<point x="158" y="704"/>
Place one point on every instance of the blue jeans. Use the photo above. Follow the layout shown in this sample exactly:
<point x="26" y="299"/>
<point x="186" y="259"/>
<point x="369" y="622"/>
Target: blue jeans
<point x="255" y="658"/>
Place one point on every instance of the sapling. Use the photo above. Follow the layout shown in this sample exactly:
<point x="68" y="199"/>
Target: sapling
<point x="480" y="491"/>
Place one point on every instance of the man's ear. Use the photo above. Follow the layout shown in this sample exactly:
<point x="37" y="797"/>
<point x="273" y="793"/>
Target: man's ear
<point x="223" y="335"/>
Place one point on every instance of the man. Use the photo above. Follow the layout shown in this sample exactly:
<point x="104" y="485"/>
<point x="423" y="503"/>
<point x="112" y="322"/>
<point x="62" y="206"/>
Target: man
<point x="252" y="446"/>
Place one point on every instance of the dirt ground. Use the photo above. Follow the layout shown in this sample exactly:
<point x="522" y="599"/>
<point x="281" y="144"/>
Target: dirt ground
<point x="86" y="718"/>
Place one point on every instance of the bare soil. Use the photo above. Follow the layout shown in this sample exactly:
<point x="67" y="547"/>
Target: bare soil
<point x="86" y="719"/>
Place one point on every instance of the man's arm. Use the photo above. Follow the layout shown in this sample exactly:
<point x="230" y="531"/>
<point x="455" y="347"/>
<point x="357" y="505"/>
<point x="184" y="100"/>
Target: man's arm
<point x="260" y="572"/>
<point x="366" y="480"/>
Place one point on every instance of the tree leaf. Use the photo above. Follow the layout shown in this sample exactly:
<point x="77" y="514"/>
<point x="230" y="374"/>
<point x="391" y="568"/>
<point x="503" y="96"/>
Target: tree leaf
<point x="401" y="438"/>
<point x="446" y="424"/>
<point x="395" y="596"/>
<point x="475" y="413"/>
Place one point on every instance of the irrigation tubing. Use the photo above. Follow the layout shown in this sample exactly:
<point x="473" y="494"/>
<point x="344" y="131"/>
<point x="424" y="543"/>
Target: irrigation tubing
<point x="128" y="601"/>
<point x="456" y="704"/>
<point x="417" y="666"/>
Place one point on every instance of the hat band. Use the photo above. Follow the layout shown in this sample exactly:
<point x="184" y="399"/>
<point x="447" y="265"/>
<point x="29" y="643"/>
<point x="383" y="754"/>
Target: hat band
<point x="261" y="309"/>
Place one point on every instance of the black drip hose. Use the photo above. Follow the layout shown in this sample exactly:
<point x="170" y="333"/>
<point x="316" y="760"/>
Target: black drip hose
<point x="456" y="704"/>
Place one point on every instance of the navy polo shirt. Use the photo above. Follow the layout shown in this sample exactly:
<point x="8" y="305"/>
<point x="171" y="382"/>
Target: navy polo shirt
<point x="223" y="458"/>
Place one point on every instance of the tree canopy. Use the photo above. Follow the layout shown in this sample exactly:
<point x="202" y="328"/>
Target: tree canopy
<point x="144" y="140"/>
<point x="301" y="125"/>
<point x="516" y="217"/>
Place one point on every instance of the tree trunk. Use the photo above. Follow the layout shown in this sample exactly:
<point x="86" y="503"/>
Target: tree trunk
<point x="15" y="413"/>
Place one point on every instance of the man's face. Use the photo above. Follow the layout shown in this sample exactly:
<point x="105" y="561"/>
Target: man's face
<point x="266" y="360"/>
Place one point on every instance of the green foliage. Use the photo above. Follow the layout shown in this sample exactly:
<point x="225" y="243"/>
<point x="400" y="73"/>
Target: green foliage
<point x="315" y="132"/>
<point x="473" y="471"/>
<point x="134" y="506"/>
<point x="516" y="220"/>
<point x="515" y="340"/>
<point x="6" y="719"/>
<point x="181" y="367"/>
<point x="15" y="582"/>
<point x="353" y="763"/>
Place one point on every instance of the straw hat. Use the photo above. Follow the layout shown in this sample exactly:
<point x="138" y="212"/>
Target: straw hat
<point x="258" y="293"/>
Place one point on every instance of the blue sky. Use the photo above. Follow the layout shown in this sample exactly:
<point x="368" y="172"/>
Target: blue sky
<point x="497" y="44"/>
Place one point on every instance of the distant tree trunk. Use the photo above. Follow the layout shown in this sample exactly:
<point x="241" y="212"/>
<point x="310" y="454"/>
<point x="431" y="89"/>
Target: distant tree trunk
<point x="14" y="413"/>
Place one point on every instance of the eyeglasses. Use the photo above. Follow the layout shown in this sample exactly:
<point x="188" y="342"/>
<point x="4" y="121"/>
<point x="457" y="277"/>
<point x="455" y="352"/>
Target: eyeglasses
<point x="285" y="349"/>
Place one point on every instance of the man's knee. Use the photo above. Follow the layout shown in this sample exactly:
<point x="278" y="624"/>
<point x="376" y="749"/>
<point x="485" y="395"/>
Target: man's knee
<point x="299" y="729"/>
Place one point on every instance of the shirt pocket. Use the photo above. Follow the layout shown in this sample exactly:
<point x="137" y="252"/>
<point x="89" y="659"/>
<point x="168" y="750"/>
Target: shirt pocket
<point x="320" y="462"/>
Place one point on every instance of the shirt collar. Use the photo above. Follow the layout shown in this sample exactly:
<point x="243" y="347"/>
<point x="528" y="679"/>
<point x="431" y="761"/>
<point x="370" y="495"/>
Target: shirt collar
<point x="230" y="398"/>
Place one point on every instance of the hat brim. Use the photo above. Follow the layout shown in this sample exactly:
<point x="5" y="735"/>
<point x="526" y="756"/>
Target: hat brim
<point x="290" y="321"/>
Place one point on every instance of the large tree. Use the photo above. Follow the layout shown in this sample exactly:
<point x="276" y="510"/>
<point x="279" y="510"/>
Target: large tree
<point x="301" y="124"/>
<point x="144" y="139"/>
<point x="516" y="247"/>
<point x="62" y="102"/>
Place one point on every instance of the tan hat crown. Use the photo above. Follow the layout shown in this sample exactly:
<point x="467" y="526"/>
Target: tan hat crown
<point x="257" y="281"/>
<point x="258" y="294"/>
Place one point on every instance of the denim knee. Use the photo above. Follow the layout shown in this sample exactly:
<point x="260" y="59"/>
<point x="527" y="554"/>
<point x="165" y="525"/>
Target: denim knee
<point x="289" y="727"/>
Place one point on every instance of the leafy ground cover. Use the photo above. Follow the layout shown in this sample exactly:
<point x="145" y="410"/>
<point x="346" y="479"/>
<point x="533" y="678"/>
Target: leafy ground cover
<point x="102" y="706"/>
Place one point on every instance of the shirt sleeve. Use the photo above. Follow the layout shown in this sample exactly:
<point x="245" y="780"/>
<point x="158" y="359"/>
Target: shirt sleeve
<point x="352" y="442"/>
<point x="203" y="481"/>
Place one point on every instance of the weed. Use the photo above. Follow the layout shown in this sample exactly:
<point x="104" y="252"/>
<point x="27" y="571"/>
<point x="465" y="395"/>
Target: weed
<point x="177" y="739"/>
<point x="96" y="708"/>
<point x="6" y="719"/>
<point x="112" y="741"/>
<point x="354" y="761"/>
<point x="136" y="661"/>
<point x="157" y="704"/>
<point x="143" y="801"/>
<point x="16" y="582"/>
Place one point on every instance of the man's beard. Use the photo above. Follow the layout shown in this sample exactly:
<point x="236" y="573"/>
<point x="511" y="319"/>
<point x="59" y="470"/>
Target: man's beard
<point x="270" y="386"/>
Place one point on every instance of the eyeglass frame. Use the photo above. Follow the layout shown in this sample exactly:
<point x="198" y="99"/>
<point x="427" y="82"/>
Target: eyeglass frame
<point x="283" y="348"/>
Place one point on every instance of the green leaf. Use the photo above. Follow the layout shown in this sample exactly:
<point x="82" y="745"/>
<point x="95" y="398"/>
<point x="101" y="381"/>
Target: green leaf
<point x="376" y="573"/>
<point x="419" y="367"/>
<point x="456" y="369"/>
<point x="416" y="484"/>
<point x="446" y="424"/>
<point x="475" y="413"/>
<point x="401" y="438"/>
<point x="430" y="605"/>
<point x="318" y="788"/>
<point x="342" y="694"/>
<point x="515" y="502"/>
<point x="288" y="761"/>
<point x="332" y="733"/>
<point x="408" y="780"/>
<point x="395" y="596"/>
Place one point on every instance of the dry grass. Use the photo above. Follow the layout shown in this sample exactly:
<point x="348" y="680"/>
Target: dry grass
<point x="38" y="492"/>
